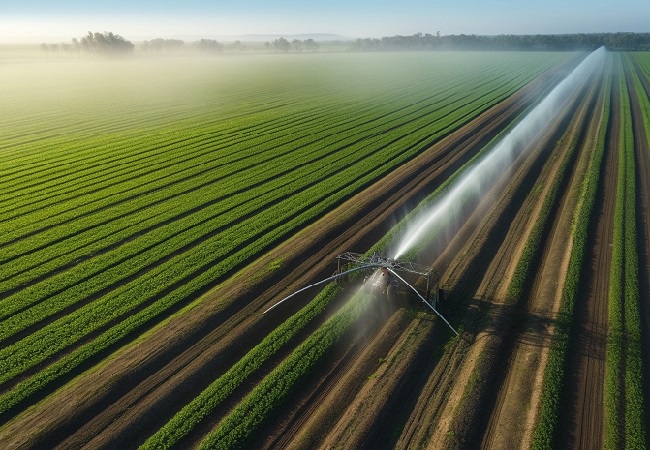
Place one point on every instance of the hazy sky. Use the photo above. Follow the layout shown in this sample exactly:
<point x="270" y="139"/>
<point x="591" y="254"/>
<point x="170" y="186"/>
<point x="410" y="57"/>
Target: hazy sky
<point x="60" y="20"/>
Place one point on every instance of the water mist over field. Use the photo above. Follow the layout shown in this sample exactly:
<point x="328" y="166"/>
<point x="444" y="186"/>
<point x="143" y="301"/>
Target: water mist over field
<point x="451" y="210"/>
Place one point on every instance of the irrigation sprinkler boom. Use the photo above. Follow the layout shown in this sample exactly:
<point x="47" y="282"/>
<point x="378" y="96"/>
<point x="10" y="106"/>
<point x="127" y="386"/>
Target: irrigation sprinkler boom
<point x="387" y="265"/>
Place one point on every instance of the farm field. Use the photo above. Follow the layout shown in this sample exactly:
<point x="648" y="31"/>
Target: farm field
<point x="151" y="210"/>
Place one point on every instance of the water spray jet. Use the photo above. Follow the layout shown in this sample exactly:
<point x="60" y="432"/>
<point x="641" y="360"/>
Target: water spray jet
<point x="447" y="211"/>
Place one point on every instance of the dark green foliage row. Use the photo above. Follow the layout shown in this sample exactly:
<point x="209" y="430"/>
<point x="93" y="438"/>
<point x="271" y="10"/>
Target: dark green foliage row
<point x="635" y="408"/>
<point x="624" y="405"/>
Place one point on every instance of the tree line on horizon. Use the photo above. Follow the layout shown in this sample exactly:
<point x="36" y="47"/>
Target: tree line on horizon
<point x="563" y="42"/>
<point x="110" y="44"/>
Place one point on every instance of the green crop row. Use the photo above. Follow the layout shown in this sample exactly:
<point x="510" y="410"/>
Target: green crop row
<point x="554" y="373"/>
<point x="635" y="432"/>
<point x="257" y="407"/>
<point x="615" y="356"/>
<point x="624" y="401"/>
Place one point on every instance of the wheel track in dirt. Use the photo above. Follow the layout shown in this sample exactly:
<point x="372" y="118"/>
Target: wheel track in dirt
<point x="114" y="407"/>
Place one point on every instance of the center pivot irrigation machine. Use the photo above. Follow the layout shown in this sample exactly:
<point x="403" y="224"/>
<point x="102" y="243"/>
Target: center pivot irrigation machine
<point x="384" y="279"/>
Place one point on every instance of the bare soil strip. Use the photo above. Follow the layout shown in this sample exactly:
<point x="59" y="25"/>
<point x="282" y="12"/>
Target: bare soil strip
<point x="375" y="403"/>
<point x="139" y="388"/>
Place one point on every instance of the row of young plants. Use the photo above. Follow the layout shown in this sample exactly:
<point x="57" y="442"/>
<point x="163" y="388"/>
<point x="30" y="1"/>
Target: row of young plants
<point x="623" y="285"/>
<point x="635" y="432"/>
<point x="555" y="372"/>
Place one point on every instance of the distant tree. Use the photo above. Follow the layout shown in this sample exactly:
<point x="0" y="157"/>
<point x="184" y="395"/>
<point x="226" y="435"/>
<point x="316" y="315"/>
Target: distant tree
<point x="267" y="46"/>
<point x="281" y="45"/>
<point x="311" y="45"/>
<point x="45" y="48"/>
<point x="209" y="46"/>
<point x="297" y="45"/>
<point x="105" y="44"/>
<point x="76" y="46"/>
<point x="54" y="48"/>
<point x="159" y="45"/>
<point x="236" y="46"/>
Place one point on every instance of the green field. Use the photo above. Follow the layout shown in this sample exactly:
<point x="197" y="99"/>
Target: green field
<point x="129" y="188"/>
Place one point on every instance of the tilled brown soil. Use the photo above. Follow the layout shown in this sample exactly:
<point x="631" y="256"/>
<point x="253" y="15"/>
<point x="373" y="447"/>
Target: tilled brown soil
<point x="130" y="395"/>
